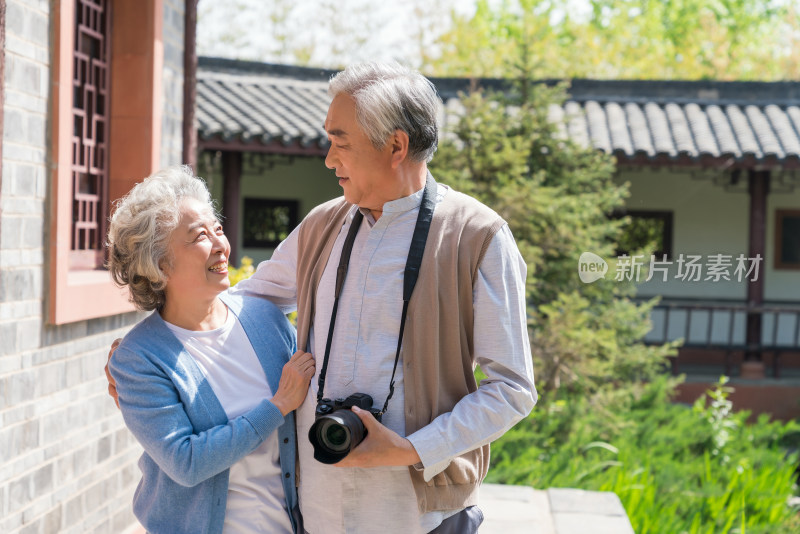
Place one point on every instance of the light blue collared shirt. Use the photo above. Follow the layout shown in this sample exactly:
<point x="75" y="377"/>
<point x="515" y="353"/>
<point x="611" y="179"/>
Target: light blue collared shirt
<point x="381" y="500"/>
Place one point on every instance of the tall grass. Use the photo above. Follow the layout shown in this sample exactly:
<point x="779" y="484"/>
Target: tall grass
<point x="678" y="469"/>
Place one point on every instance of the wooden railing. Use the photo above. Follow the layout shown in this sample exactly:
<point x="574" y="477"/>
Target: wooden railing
<point x="723" y="327"/>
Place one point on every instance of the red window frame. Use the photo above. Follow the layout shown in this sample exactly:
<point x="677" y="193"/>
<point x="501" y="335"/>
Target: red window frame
<point x="79" y="288"/>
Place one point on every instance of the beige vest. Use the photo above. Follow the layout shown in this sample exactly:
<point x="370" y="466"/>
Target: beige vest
<point x="437" y="343"/>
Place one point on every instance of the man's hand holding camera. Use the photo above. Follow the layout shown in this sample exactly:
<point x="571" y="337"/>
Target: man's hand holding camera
<point x="381" y="447"/>
<point x="347" y="432"/>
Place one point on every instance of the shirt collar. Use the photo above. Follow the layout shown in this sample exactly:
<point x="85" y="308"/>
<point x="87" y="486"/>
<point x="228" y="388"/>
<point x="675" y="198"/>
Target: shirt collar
<point x="401" y="205"/>
<point x="404" y="204"/>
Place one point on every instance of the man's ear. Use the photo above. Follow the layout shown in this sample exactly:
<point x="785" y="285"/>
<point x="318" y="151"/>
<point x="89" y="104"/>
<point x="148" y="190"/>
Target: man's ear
<point x="399" y="143"/>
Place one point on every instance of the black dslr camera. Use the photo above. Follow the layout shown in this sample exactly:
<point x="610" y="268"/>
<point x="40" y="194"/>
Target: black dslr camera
<point x="336" y="429"/>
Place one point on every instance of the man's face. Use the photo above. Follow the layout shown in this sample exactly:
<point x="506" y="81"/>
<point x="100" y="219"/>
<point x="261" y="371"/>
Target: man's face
<point x="364" y="172"/>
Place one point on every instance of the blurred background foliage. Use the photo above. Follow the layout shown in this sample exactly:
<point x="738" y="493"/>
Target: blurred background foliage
<point x="245" y="270"/>
<point x="626" y="39"/>
<point x="605" y="418"/>
<point x="557" y="197"/>
<point x="660" y="39"/>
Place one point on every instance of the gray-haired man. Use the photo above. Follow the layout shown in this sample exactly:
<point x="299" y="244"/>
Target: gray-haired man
<point x="420" y="469"/>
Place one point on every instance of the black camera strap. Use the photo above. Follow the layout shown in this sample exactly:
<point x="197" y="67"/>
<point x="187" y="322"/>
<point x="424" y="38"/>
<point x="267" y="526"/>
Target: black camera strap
<point x="410" y="276"/>
<point x="341" y="273"/>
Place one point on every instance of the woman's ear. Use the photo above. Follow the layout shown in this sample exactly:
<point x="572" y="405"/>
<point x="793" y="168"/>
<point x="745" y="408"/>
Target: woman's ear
<point x="164" y="266"/>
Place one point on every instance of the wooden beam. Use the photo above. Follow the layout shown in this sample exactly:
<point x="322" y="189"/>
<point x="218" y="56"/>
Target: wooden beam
<point x="275" y="147"/>
<point x="231" y="200"/>
<point x="726" y="162"/>
<point x="759" y="190"/>
<point x="190" y="84"/>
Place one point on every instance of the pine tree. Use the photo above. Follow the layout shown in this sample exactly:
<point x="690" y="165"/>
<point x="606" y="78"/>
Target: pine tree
<point x="557" y="197"/>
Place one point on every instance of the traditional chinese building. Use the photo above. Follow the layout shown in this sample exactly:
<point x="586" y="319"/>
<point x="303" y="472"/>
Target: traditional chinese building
<point x="98" y="94"/>
<point x="712" y="167"/>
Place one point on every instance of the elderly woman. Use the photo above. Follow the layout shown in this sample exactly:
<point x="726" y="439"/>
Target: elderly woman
<point x="208" y="382"/>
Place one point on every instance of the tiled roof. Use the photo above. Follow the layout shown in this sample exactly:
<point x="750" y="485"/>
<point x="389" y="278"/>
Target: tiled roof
<point x="280" y="108"/>
<point x="238" y="103"/>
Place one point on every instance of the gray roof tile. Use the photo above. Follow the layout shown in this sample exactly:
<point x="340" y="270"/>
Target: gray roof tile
<point x="664" y="121"/>
<point x="743" y="131"/>
<point x="702" y="136"/>
<point x="793" y="114"/>
<point x="261" y="108"/>
<point x="722" y="131"/>
<point x="763" y="132"/>
<point x="659" y="128"/>
<point x="782" y="125"/>
<point x="679" y="126"/>
<point x="618" y="126"/>
<point x="598" y="126"/>
<point x="642" y="140"/>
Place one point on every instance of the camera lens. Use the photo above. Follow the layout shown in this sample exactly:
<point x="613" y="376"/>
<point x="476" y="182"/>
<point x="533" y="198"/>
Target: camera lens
<point x="334" y="435"/>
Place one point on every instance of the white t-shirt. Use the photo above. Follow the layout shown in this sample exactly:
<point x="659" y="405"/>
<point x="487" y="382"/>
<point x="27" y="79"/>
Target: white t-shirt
<point x="256" y="500"/>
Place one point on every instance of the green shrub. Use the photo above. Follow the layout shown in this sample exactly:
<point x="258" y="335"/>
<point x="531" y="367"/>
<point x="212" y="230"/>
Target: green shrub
<point x="246" y="270"/>
<point x="556" y="196"/>
<point x="676" y="468"/>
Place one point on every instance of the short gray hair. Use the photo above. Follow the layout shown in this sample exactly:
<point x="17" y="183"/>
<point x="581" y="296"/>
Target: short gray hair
<point x="140" y="230"/>
<point x="389" y="97"/>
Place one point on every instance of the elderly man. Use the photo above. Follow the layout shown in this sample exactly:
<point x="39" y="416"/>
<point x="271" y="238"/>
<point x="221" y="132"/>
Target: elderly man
<point x="420" y="468"/>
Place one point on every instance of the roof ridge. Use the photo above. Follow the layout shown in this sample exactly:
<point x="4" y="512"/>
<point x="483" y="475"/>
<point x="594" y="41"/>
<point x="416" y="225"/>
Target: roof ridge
<point x="237" y="66"/>
<point x="709" y="135"/>
<point x="580" y="89"/>
<point x="602" y="99"/>
<point x="256" y="78"/>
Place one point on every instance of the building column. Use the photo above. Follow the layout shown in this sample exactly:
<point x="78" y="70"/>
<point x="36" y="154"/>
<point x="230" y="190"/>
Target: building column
<point x="231" y="200"/>
<point x="190" y="84"/>
<point x="758" y="185"/>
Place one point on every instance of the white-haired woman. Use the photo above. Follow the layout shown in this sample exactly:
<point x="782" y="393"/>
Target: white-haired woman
<point x="209" y="381"/>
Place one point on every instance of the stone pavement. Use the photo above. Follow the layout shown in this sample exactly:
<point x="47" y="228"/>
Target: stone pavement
<point x="523" y="510"/>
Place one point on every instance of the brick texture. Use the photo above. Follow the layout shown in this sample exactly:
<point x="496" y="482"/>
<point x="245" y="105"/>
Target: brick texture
<point x="67" y="462"/>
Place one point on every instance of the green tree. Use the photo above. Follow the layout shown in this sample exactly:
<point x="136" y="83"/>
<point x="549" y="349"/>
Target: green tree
<point x="605" y="420"/>
<point x="556" y="197"/>
<point x="662" y="39"/>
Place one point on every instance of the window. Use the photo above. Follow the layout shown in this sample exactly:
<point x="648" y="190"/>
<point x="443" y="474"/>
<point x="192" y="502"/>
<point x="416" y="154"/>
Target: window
<point x="267" y="222"/>
<point x="91" y="107"/>
<point x="645" y="228"/>
<point x="787" y="239"/>
<point x="105" y="136"/>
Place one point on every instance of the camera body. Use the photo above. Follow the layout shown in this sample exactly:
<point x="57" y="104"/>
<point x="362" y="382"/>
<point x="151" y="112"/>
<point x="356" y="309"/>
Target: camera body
<point x="360" y="400"/>
<point x="336" y="429"/>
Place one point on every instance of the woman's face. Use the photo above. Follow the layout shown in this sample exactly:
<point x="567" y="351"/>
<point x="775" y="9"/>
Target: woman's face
<point x="199" y="251"/>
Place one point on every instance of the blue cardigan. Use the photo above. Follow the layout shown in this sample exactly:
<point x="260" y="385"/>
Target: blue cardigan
<point x="188" y="440"/>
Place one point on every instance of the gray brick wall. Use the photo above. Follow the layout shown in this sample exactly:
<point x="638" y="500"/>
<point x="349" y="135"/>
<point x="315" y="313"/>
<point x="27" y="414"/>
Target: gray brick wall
<point x="67" y="462"/>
